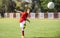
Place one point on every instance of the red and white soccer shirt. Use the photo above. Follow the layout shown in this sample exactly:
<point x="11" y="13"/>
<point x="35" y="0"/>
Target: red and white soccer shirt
<point x="23" y="17"/>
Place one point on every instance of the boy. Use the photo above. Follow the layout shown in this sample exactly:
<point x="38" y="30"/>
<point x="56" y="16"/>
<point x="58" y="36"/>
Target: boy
<point x="23" y="20"/>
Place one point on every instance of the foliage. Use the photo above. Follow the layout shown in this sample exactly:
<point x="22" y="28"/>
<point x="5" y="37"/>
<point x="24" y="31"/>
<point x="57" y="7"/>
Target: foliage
<point x="42" y="4"/>
<point x="45" y="2"/>
<point x="57" y="5"/>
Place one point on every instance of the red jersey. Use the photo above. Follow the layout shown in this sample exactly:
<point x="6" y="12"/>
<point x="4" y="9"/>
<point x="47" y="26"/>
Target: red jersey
<point x="23" y="17"/>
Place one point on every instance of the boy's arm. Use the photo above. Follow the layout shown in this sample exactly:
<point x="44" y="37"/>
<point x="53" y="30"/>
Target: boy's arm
<point x="28" y="20"/>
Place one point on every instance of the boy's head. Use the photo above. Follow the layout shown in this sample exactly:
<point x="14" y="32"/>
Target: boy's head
<point x="27" y="10"/>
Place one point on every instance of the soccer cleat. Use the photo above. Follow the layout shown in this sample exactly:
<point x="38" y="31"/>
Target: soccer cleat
<point x="22" y="36"/>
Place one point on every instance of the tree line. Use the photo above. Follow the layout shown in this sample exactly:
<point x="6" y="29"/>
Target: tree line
<point x="36" y="5"/>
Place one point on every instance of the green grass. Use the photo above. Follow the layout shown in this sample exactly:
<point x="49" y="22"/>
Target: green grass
<point x="38" y="28"/>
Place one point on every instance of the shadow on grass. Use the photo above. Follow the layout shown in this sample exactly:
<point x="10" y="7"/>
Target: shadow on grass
<point x="45" y="37"/>
<point x="42" y="37"/>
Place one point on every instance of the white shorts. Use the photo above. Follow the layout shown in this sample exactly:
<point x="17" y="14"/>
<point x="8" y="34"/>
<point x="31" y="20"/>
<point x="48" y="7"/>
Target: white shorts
<point x="22" y="24"/>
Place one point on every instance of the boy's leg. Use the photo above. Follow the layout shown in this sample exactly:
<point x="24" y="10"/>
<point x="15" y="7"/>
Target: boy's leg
<point x="22" y="27"/>
<point x="22" y="32"/>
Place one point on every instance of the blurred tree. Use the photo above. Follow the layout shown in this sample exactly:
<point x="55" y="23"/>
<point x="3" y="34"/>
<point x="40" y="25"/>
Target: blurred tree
<point x="44" y="5"/>
<point x="57" y="5"/>
<point x="0" y="5"/>
<point x="0" y="2"/>
<point x="36" y="5"/>
<point x="40" y="5"/>
<point x="45" y="2"/>
<point x="11" y="6"/>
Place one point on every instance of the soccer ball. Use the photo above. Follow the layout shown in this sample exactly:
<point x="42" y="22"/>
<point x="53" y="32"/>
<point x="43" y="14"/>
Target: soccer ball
<point x="50" y="5"/>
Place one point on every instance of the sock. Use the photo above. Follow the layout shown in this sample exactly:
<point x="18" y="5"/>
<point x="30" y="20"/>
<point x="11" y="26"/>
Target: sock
<point x="22" y="33"/>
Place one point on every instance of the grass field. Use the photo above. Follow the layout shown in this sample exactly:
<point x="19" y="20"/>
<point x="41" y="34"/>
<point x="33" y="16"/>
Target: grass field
<point x="38" y="28"/>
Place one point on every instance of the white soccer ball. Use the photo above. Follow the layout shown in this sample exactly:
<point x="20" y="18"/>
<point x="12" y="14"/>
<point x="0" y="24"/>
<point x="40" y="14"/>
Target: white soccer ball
<point x="50" y="5"/>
